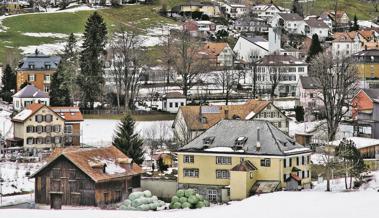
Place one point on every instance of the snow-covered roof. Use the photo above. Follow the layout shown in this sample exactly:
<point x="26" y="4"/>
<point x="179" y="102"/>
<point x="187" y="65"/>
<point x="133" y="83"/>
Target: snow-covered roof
<point x="23" y="114"/>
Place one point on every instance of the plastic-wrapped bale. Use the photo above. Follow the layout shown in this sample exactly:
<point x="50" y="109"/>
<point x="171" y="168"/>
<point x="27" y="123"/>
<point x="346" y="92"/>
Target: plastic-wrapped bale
<point x="176" y="205"/>
<point x="186" y="205"/>
<point x="135" y="195"/>
<point x="189" y="192"/>
<point x="180" y="193"/>
<point x="127" y="203"/>
<point x="200" y="197"/>
<point x="206" y="203"/>
<point x="193" y="199"/>
<point x="143" y="207"/>
<point x="154" y="198"/>
<point x="183" y="199"/>
<point x="161" y="203"/>
<point x="140" y="201"/>
<point x="153" y="206"/>
<point x="200" y="204"/>
<point x="174" y="199"/>
<point x="147" y="193"/>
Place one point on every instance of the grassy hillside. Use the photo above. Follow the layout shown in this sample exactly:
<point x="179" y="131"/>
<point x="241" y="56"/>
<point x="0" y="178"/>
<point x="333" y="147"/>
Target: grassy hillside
<point x="139" y="17"/>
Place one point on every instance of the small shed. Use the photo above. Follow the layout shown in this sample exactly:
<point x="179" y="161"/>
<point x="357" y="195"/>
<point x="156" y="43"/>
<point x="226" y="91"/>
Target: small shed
<point x="86" y="177"/>
<point x="172" y="101"/>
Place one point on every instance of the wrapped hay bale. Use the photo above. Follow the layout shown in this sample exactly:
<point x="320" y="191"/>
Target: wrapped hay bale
<point x="189" y="192"/>
<point x="206" y="203"/>
<point x="186" y="205"/>
<point x="161" y="203"/>
<point x="193" y="199"/>
<point x="174" y="199"/>
<point x="200" y="197"/>
<point x="180" y="193"/>
<point x="135" y="195"/>
<point x="200" y="204"/>
<point x="147" y="193"/>
<point x="183" y="199"/>
<point x="176" y="205"/>
<point x="154" y="198"/>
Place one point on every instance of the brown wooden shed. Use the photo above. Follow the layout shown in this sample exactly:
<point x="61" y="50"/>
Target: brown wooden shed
<point x="86" y="177"/>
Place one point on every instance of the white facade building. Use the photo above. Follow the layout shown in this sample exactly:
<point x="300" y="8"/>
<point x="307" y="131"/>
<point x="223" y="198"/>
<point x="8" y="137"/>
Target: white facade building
<point x="345" y="44"/>
<point x="313" y="26"/>
<point x="291" y="22"/>
<point x="29" y="95"/>
<point x="172" y="101"/>
<point x="235" y="10"/>
<point x="268" y="11"/>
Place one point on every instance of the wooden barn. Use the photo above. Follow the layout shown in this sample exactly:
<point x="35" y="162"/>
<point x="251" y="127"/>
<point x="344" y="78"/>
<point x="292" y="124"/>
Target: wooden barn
<point x="86" y="177"/>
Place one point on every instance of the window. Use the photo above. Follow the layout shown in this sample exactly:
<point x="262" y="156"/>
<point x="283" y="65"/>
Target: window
<point x="208" y="140"/>
<point x="279" y="124"/>
<point x="297" y="161"/>
<point x="223" y="160"/>
<point x="302" y="174"/>
<point x="300" y="69"/>
<point x="212" y="195"/>
<point x="240" y="141"/>
<point x="46" y="78"/>
<point x="290" y="162"/>
<point x="222" y="174"/>
<point x="68" y="139"/>
<point x="29" y="129"/>
<point x="266" y="162"/>
<point x="39" y="140"/>
<point x="57" y="139"/>
<point x="302" y="160"/>
<point x="48" y="140"/>
<point x="31" y="66"/>
<point x="48" y="128"/>
<point x="308" y="175"/>
<point x="29" y="141"/>
<point x="284" y="163"/>
<point x="39" y="118"/>
<point x="171" y="104"/>
<point x="181" y="103"/>
<point x="39" y="129"/>
<point x="191" y="172"/>
<point x="48" y="118"/>
<point x="46" y="89"/>
<point x="68" y="129"/>
<point x="31" y="77"/>
<point x="308" y="160"/>
<point x="57" y="128"/>
<point x="176" y="104"/>
<point x="188" y="159"/>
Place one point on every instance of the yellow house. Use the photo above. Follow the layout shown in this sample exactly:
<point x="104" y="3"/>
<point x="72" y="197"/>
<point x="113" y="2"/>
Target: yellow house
<point x="237" y="158"/>
<point x="208" y="8"/>
<point x="367" y="62"/>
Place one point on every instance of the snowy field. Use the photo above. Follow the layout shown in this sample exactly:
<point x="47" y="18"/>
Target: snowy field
<point x="311" y="204"/>
<point x="15" y="179"/>
<point x="100" y="132"/>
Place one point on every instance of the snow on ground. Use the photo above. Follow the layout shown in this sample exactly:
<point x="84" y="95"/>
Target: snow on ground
<point x="48" y="49"/>
<point x="15" y="179"/>
<point x="16" y="199"/>
<point x="100" y="132"/>
<point x="5" y="124"/>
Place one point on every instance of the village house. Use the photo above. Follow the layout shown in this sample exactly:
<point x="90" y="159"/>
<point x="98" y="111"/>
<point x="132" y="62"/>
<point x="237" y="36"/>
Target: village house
<point x="250" y="24"/>
<point x="37" y="69"/>
<point x="314" y="26"/>
<point x="345" y="44"/>
<point x="191" y="121"/>
<point x="86" y="177"/>
<point x="367" y="62"/>
<point x="268" y="11"/>
<point x="366" y="122"/>
<point x="291" y="22"/>
<point x="220" y="53"/>
<point x="29" y="95"/>
<point x="309" y="92"/>
<point x="39" y="127"/>
<point x="172" y="101"/>
<point x="237" y="158"/>
<point x="208" y="8"/>
<point x="337" y="21"/>
<point x="282" y="71"/>
<point x="234" y="11"/>
<point x="363" y="101"/>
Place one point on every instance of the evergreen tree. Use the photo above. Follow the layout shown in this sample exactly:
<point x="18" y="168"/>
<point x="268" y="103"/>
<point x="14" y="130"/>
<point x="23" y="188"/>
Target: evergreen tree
<point x="299" y="113"/>
<point x="8" y="80"/>
<point x="62" y="82"/>
<point x="297" y="8"/>
<point x="314" y="49"/>
<point x="355" y="26"/>
<point x="127" y="141"/>
<point x="161" y="166"/>
<point x="24" y="84"/>
<point x="91" y="79"/>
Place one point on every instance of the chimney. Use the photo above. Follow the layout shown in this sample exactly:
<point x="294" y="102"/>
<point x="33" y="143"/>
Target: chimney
<point x="226" y="113"/>
<point x="258" y="139"/>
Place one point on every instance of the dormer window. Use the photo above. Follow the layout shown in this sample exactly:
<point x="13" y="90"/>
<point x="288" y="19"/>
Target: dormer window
<point x="208" y="140"/>
<point x="203" y="120"/>
<point x="31" y="66"/>
<point x="47" y="66"/>
<point x="240" y="141"/>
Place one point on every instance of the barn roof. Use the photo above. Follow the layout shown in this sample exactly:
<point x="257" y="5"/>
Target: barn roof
<point x="117" y="164"/>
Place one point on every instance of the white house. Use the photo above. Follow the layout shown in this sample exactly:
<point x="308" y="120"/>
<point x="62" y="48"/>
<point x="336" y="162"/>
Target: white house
<point x="28" y="95"/>
<point x="220" y="53"/>
<point x="205" y="26"/>
<point x="282" y="71"/>
<point x="268" y="11"/>
<point x="309" y="92"/>
<point x="313" y="26"/>
<point x="235" y="10"/>
<point x="291" y="22"/>
<point x="345" y="44"/>
<point x="172" y="101"/>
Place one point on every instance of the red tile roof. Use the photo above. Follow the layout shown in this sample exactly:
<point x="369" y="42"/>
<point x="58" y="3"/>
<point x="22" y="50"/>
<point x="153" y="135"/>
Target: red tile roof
<point x="68" y="113"/>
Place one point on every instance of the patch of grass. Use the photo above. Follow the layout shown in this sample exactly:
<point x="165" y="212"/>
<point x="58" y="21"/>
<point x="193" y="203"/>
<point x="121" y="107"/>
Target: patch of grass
<point x="140" y="117"/>
<point x="136" y="17"/>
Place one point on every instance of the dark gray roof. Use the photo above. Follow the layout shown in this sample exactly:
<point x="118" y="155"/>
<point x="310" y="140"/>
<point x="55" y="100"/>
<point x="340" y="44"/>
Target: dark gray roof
<point x="314" y="23"/>
<point x="372" y="93"/>
<point x="308" y="82"/>
<point x="255" y="39"/>
<point x="30" y="91"/>
<point x="39" y="61"/>
<point x="272" y="141"/>
<point x="290" y="16"/>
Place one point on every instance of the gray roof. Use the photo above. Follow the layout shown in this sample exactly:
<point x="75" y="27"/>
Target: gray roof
<point x="30" y="91"/>
<point x="39" y="61"/>
<point x="225" y="133"/>
<point x="372" y="93"/>
<point x="314" y="23"/>
<point x="308" y="82"/>
<point x="255" y="39"/>
<point x="290" y="16"/>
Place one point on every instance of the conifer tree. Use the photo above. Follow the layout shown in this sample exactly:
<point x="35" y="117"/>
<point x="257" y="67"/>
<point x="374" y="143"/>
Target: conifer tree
<point x="128" y="141"/>
<point x="90" y="78"/>
<point x="314" y="49"/>
<point x="355" y="26"/>
<point x="59" y="94"/>
<point x="8" y="80"/>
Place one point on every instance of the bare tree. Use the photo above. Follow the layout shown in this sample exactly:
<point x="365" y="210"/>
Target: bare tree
<point x="189" y="62"/>
<point x="338" y="84"/>
<point x="43" y="4"/>
<point x="227" y="79"/>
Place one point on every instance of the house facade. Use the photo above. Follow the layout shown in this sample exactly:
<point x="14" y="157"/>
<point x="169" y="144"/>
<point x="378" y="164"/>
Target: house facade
<point x="40" y="127"/>
<point x="367" y="62"/>
<point x="314" y="26"/>
<point x="235" y="10"/>
<point x="29" y="95"/>
<point x="172" y="101"/>
<point x="268" y="11"/>
<point x="282" y="71"/>
<point x="237" y="158"/>
<point x="251" y="24"/>
<point x="208" y="8"/>
<point x="191" y="121"/>
<point x="37" y="69"/>
<point x="345" y="44"/>
<point x="338" y="20"/>
<point x="86" y="177"/>
<point x="364" y="101"/>
<point x="220" y="53"/>
<point x="248" y="49"/>
<point x="291" y="22"/>
<point x="309" y="93"/>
